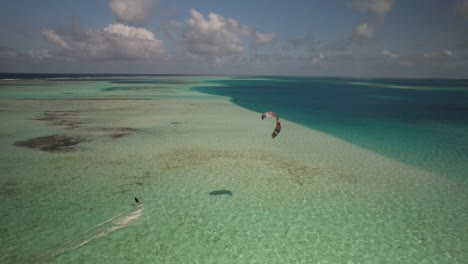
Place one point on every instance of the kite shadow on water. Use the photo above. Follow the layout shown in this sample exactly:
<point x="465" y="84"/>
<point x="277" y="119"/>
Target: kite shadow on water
<point x="221" y="192"/>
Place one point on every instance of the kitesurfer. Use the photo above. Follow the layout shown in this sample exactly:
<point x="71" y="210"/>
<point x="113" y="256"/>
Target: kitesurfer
<point x="137" y="200"/>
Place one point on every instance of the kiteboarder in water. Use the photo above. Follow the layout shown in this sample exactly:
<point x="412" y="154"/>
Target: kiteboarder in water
<point x="278" y="124"/>
<point x="137" y="200"/>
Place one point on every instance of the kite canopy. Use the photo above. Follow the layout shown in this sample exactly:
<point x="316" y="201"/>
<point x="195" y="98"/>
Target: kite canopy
<point x="278" y="124"/>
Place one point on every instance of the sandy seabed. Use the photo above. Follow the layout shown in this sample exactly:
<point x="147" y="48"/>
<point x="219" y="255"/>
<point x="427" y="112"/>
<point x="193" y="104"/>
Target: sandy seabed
<point x="215" y="189"/>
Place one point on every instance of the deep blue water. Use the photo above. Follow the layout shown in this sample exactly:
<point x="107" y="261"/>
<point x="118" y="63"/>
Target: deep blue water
<point x="423" y="123"/>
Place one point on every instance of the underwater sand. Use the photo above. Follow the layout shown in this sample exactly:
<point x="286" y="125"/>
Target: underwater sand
<point x="305" y="197"/>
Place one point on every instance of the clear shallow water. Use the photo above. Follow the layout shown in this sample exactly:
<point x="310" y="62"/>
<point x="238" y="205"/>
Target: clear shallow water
<point x="302" y="198"/>
<point x="421" y="122"/>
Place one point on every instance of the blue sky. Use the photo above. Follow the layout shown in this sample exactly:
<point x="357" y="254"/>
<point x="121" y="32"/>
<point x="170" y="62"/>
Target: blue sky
<point x="361" y="38"/>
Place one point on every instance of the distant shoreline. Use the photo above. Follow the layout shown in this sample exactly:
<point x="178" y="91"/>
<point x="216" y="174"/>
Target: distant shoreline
<point x="10" y="76"/>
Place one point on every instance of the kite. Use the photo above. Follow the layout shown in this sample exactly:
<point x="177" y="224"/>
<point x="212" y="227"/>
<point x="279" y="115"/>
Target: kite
<point x="278" y="124"/>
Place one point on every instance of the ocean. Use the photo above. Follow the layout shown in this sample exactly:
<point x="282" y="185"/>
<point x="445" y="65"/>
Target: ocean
<point x="363" y="171"/>
<point x="422" y="122"/>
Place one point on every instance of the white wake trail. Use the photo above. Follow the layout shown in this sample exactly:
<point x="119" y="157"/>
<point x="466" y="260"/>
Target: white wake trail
<point x="103" y="229"/>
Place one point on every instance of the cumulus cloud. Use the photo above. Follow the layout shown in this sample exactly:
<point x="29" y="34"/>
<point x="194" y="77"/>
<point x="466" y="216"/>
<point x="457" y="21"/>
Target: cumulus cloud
<point x="379" y="7"/>
<point x="449" y="53"/>
<point x="439" y="54"/>
<point x="51" y="36"/>
<point x="40" y="54"/>
<point x="132" y="12"/>
<point x="363" y="33"/>
<point x="214" y="36"/>
<point x="264" y="38"/>
<point x="442" y="61"/>
<point x="461" y="8"/>
<point x="390" y="55"/>
<point x="318" y="58"/>
<point x="114" y="42"/>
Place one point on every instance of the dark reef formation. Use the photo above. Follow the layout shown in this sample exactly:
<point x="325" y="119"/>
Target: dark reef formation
<point x="52" y="143"/>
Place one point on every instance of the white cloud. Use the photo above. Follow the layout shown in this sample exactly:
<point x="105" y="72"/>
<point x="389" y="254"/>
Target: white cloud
<point x="390" y="54"/>
<point x="51" y="36"/>
<point x="318" y="58"/>
<point x="449" y="53"/>
<point x="127" y="32"/>
<point x="39" y="54"/>
<point x="114" y="42"/>
<point x="132" y="12"/>
<point x="379" y="7"/>
<point x="430" y="55"/>
<point x="364" y="32"/>
<point x="440" y="55"/>
<point x="213" y="37"/>
<point x="461" y="8"/>
<point x="264" y="38"/>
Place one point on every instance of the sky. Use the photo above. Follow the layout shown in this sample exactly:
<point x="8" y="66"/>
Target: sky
<point x="349" y="38"/>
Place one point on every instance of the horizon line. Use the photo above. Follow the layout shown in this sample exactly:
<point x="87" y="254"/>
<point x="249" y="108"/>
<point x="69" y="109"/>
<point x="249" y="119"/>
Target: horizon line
<point x="226" y="74"/>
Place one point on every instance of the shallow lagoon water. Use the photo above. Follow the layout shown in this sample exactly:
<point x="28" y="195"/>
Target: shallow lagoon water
<point x="305" y="197"/>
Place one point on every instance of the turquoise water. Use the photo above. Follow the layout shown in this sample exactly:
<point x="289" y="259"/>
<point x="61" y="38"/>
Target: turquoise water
<point x="421" y="122"/>
<point x="384" y="183"/>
